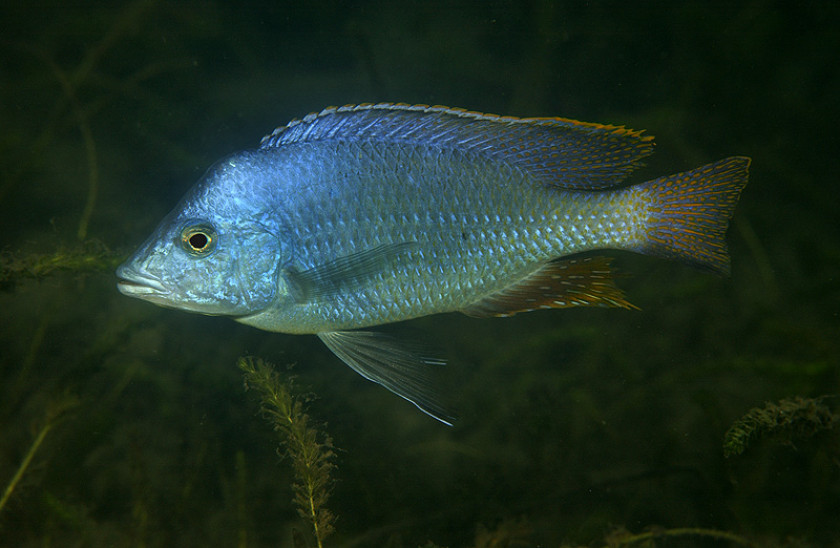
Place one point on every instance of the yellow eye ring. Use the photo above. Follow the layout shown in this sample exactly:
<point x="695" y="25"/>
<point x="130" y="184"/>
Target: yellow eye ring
<point x="198" y="239"/>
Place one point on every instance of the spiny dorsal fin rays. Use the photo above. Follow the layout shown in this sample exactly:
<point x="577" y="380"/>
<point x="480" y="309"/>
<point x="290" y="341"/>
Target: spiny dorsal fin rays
<point x="564" y="153"/>
<point x="559" y="284"/>
<point x="401" y="369"/>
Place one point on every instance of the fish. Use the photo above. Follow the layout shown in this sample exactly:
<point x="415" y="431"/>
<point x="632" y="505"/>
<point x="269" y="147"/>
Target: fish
<point x="370" y="214"/>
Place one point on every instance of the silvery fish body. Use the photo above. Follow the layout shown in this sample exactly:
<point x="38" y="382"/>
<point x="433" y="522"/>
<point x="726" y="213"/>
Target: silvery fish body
<point x="371" y="214"/>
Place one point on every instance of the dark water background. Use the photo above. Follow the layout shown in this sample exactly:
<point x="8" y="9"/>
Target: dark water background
<point x="574" y="424"/>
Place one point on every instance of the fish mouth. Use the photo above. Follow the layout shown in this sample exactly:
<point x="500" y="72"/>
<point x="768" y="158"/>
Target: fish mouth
<point x="140" y="284"/>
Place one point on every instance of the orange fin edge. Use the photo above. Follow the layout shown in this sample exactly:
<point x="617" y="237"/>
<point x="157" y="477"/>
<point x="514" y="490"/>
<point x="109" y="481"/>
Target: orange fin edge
<point x="690" y="213"/>
<point x="561" y="283"/>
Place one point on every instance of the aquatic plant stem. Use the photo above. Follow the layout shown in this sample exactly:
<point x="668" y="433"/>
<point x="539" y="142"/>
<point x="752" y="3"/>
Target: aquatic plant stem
<point x="27" y="460"/>
<point x="90" y="147"/>
<point x="93" y="177"/>
<point x="313" y="516"/>
<point x="626" y="539"/>
<point x="55" y="410"/>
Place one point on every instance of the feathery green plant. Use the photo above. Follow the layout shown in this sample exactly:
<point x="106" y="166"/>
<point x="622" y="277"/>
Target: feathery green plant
<point x="90" y="256"/>
<point x="787" y="419"/>
<point x="311" y="451"/>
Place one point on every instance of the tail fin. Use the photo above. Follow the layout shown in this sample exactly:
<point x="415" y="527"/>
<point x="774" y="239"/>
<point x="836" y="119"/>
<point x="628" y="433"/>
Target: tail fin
<point x="689" y="213"/>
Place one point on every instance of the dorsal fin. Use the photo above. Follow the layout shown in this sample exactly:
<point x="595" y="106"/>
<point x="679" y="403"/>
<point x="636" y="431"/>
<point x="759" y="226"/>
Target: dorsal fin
<point x="559" y="284"/>
<point x="565" y="153"/>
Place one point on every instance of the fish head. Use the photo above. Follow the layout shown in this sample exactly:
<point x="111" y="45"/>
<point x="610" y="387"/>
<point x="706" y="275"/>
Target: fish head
<point x="214" y="254"/>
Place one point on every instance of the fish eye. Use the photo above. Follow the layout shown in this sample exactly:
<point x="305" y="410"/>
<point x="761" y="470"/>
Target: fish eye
<point x="198" y="239"/>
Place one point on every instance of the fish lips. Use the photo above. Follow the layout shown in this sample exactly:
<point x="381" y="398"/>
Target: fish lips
<point x="145" y="286"/>
<point x="141" y="285"/>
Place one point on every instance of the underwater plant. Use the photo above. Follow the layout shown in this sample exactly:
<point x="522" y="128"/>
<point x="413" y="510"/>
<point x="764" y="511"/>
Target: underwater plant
<point x="513" y="533"/>
<point x="55" y="411"/>
<point x="785" y="420"/>
<point x="311" y="451"/>
<point x="622" y="537"/>
<point x="90" y="256"/>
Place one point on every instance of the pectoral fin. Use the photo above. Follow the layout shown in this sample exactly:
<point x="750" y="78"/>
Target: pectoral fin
<point x="345" y="273"/>
<point x="383" y="360"/>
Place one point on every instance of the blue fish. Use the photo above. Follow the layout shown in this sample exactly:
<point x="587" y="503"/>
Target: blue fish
<point x="370" y="214"/>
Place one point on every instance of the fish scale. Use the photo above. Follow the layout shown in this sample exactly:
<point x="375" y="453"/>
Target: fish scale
<point x="459" y="194"/>
<point x="364" y="215"/>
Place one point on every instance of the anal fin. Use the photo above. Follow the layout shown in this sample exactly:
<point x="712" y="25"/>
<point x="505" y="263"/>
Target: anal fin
<point x="558" y="284"/>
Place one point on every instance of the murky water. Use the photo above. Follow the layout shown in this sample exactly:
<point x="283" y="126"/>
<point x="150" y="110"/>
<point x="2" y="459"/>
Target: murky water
<point x="124" y="424"/>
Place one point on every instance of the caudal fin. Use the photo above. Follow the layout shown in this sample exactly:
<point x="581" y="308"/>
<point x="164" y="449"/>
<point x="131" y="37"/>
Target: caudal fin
<point x="689" y="213"/>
